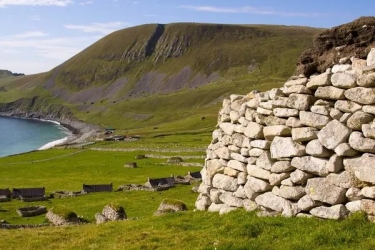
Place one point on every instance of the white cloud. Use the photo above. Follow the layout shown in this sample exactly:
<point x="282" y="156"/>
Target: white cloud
<point x="248" y="10"/>
<point x="60" y="3"/>
<point x="30" y="34"/>
<point x="104" y="28"/>
<point x="86" y="3"/>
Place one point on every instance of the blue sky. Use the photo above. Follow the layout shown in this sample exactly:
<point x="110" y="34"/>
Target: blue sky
<point x="37" y="35"/>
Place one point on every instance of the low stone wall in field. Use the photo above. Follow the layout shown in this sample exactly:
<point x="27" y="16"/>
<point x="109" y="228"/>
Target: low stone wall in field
<point x="306" y="149"/>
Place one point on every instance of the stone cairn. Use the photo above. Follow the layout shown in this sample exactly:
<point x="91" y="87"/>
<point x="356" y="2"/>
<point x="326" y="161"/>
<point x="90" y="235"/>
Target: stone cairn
<point x="306" y="149"/>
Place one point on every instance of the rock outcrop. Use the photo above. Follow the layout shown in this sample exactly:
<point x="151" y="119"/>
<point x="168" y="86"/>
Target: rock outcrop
<point x="306" y="149"/>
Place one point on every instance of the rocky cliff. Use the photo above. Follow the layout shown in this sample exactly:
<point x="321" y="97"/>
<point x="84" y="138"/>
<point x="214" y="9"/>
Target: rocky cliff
<point x="306" y="149"/>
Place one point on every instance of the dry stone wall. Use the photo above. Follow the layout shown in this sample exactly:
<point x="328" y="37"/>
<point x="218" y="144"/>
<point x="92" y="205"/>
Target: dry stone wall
<point x="306" y="149"/>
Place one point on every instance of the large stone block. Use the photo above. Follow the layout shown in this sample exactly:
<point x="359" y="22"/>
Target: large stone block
<point x="277" y="130"/>
<point x="320" y="189"/>
<point x="347" y="106"/>
<point x="284" y="147"/>
<point x="311" y="165"/>
<point x="344" y="80"/>
<point x="231" y="200"/>
<point x="225" y="182"/>
<point x="306" y="203"/>
<point x="361" y="95"/>
<point x="314" y="120"/>
<point x="368" y="206"/>
<point x="330" y="92"/>
<point x="343" y="180"/>
<point x="258" y="172"/>
<point x="315" y="148"/>
<point x="254" y="131"/>
<point x="333" y="134"/>
<point x="366" y="80"/>
<point x="304" y="134"/>
<point x="362" y="167"/>
<point x="300" y="101"/>
<point x="272" y="201"/>
<point x="335" y="212"/>
<point x="265" y="161"/>
<point x="228" y="128"/>
<point x="357" y="119"/>
<point x="285" y="112"/>
<point x="259" y="186"/>
<point x="290" y="193"/>
<point x="319" y="81"/>
<point x="237" y="165"/>
<point x="358" y="142"/>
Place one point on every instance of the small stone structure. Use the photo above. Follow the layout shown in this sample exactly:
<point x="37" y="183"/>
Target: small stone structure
<point x="167" y="182"/>
<point x="170" y="206"/>
<point x="131" y="165"/>
<point x="31" y="211"/>
<point x="97" y="188"/>
<point x="28" y="192"/>
<point x="306" y="149"/>
<point x="111" y="212"/>
<point x="65" y="194"/>
<point x="62" y="220"/>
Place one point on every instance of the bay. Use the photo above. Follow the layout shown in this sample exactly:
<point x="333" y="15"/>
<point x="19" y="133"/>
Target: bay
<point x="23" y="135"/>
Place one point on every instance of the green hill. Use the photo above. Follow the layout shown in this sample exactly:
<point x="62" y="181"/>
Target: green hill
<point x="170" y="76"/>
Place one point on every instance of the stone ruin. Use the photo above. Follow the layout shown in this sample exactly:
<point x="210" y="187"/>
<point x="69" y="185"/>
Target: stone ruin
<point x="31" y="211"/>
<point x="111" y="212"/>
<point x="306" y="149"/>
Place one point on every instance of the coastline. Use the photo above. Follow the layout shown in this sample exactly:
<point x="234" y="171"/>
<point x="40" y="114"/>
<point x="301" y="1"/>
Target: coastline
<point x="78" y="131"/>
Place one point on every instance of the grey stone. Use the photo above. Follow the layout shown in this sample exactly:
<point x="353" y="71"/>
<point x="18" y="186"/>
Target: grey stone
<point x="285" y="112"/>
<point x="250" y="193"/>
<point x="214" y="195"/>
<point x="343" y="80"/>
<point x="273" y="120"/>
<point x="264" y="111"/>
<point x="262" y="144"/>
<point x="254" y="131"/>
<point x="256" y="152"/>
<point x="327" y="103"/>
<point x="347" y="106"/>
<point x="368" y="192"/>
<point x="298" y="81"/>
<point x="234" y="116"/>
<point x="249" y="205"/>
<point x="245" y="152"/>
<point x="265" y="161"/>
<point x="369" y="109"/>
<point x="371" y="57"/>
<point x="231" y="200"/>
<point x="213" y="167"/>
<point x="296" y="89"/>
<point x="354" y="194"/>
<point x="343" y="180"/>
<point x="321" y="110"/>
<point x="240" y="193"/>
<point x="294" y="122"/>
<point x="215" y="207"/>
<point x="278" y="130"/>
<point x="287" y="182"/>
<point x="345" y="117"/>
<point x="241" y="178"/>
<point x="258" y="172"/>
<point x="272" y="201"/>
<point x="300" y="101"/>
<point x="225" y="209"/>
<point x="306" y="203"/>
<point x="335" y="114"/>
<point x="344" y="149"/>
<point x="299" y="177"/>
<point x="290" y="193"/>
<point x="330" y="92"/>
<point x="259" y="186"/>
<point x="231" y="172"/>
<point x="285" y="147"/>
<point x="275" y="92"/>
<point x="357" y="119"/>
<point x="353" y="206"/>
<point x="225" y="182"/>
<point x="361" y="95"/>
<point x="335" y="212"/>
<point x="358" y="142"/>
<point x="368" y="131"/>
<point x="281" y="167"/>
<point x="315" y="148"/>
<point x="238" y="157"/>
<point x="314" y="120"/>
<point x="341" y="68"/>
<point x="276" y="179"/>
<point x="367" y="80"/>
<point x="228" y="128"/>
<point x="368" y="206"/>
<point x="280" y="102"/>
<point x="320" y="189"/>
<point x="223" y="153"/>
<point x="333" y="134"/>
<point x="319" y="80"/>
<point x="335" y="164"/>
<point x="311" y="165"/>
<point x="237" y="165"/>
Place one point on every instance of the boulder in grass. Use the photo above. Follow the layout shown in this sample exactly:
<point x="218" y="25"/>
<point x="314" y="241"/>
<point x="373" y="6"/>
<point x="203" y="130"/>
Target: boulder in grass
<point x="114" y="212"/>
<point x="175" y="160"/>
<point x="170" y="206"/>
<point x="131" y="165"/>
<point x="31" y="211"/>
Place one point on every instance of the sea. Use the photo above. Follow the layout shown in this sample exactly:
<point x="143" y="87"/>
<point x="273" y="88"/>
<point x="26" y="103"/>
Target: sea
<point x="18" y="135"/>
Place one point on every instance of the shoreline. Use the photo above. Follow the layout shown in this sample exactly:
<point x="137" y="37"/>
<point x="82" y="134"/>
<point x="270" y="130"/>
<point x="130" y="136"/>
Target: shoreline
<point x="78" y="130"/>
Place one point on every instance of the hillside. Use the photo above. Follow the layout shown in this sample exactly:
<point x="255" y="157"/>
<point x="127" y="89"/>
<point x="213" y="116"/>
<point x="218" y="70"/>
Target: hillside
<point x="171" y="76"/>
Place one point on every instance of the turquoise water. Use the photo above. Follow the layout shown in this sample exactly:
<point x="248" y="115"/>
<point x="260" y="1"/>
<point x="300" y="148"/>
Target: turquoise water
<point x="23" y="135"/>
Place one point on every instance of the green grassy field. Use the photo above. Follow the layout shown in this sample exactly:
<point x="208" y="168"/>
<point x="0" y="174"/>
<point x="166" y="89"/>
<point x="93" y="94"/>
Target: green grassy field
<point x="67" y="169"/>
